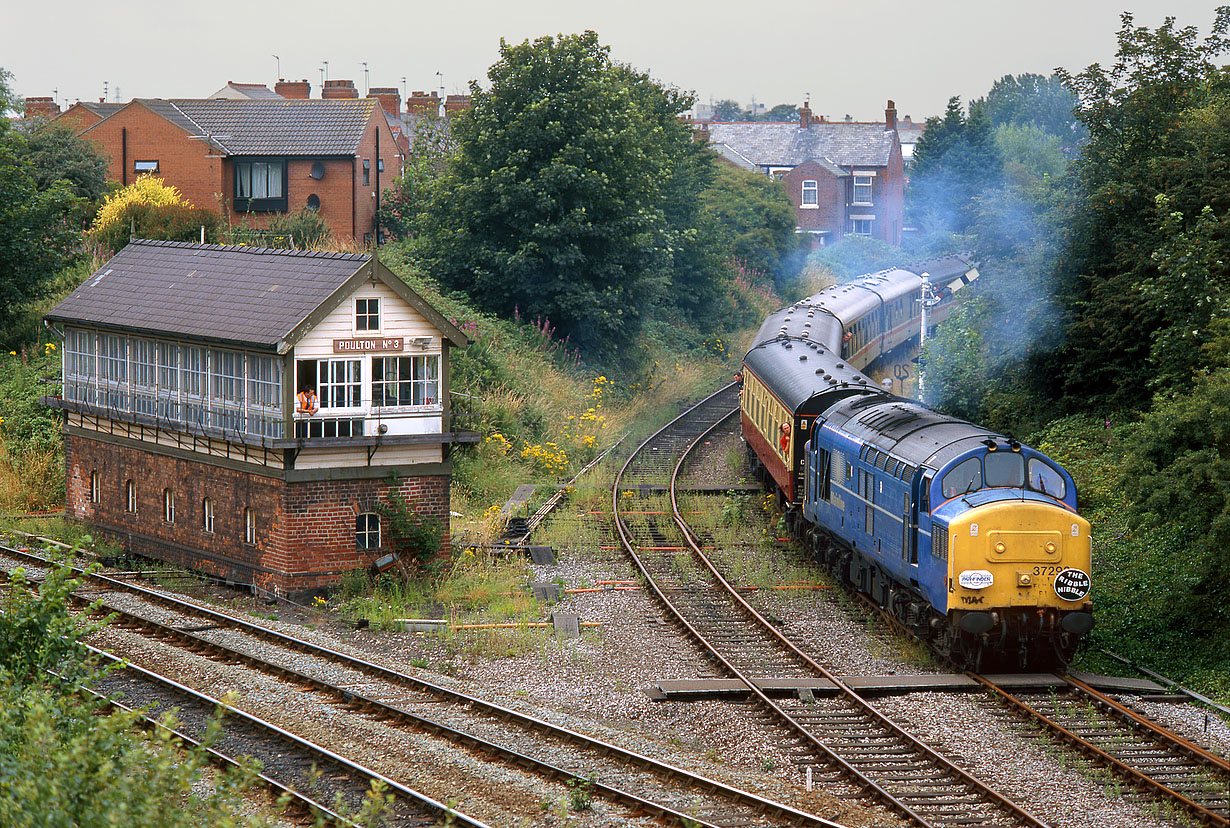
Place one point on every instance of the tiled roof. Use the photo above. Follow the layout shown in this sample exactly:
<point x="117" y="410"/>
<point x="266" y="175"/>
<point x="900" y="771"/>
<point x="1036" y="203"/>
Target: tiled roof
<point x="101" y="109"/>
<point x="788" y="145"/>
<point x="239" y="91"/>
<point x="248" y="295"/>
<point x="271" y="126"/>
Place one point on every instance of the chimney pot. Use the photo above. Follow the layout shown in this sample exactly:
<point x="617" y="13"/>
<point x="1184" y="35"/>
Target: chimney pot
<point x="41" y="107"/>
<point x="805" y="115"/>
<point x="299" y="90"/>
<point x="890" y="116"/>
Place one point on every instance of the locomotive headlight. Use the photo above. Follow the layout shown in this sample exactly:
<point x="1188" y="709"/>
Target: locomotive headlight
<point x="1050" y="547"/>
<point x="1000" y="548"/>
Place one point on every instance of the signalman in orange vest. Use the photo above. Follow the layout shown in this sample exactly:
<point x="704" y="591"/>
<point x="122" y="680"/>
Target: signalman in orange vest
<point x="306" y="402"/>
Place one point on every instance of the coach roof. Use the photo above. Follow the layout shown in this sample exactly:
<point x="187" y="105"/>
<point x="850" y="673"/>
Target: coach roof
<point x="220" y="293"/>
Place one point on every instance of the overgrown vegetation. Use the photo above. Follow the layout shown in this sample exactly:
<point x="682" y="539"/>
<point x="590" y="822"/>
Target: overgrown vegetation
<point x="149" y="208"/>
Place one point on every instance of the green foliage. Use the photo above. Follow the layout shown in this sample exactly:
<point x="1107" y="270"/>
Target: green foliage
<point x="409" y="532"/>
<point x="37" y="233"/>
<point x="855" y="255"/>
<point x="956" y="358"/>
<point x="8" y="99"/>
<point x="150" y="209"/>
<point x="304" y="230"/>
<point x="56" y="152"/>
<point x="955" y="160"/>
<point x="1041" y="103"/>
<point x="405" y="204"/>
<point x="572" y="195"/>
<point x="1159" y="124"/>
<point x="755" y="219"/>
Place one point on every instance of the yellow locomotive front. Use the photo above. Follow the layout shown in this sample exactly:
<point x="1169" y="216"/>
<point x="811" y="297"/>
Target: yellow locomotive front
<point x="1019" y="561"/>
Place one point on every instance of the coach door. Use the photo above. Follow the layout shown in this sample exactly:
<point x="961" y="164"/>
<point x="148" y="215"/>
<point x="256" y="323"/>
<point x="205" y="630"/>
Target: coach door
<point x="920" y="515"/>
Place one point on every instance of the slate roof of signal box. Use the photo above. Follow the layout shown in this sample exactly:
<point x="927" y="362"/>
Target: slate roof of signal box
<point x="248" y="295"/>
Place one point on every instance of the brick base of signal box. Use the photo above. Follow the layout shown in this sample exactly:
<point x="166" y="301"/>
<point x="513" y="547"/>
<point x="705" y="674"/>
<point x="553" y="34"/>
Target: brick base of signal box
<point x="305" y="530"/>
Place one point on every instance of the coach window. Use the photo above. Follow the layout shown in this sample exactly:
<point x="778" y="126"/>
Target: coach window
<point x="130" y="496"/>
<point x="1043" y="478"/>
<point x="367" y="531"/>
<point x="168" y="505"/>
<point x="207" y="515"/>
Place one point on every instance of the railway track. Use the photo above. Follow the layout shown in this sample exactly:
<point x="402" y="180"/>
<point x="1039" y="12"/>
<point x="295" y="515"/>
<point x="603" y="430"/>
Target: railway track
<point x="284" y="756"/>
<point x="846" y="734"/>
<point x="635" y="781"/>
<point x="1110" y="734"/>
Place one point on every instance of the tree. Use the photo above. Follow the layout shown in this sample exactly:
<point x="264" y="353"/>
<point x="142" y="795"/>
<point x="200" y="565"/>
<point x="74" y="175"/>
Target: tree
<point x="782" y="112"/>
<point x="728" y="110"/>
<point x="55" y="152"/>
<point x="1030" y="100"/>
<point x="954" y="161"/>
<point x="754" y="216"/>
<point x="150" y="209"/>
<point x="431" y="150"/>
<point x="1156" y="120"/>
<point x="572" y="194"/>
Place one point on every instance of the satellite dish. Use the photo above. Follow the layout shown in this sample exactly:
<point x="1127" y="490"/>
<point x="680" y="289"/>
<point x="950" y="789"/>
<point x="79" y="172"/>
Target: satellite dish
<point x="318" y="170"/>
<point x="313" y="201"/>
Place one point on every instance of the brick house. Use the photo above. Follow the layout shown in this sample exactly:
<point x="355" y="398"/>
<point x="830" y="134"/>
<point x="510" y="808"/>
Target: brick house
<point x="84" y="114"/>
<point x="256" y="158"/>
<point x="844" y="177"/>
<point x="182" y="438"/>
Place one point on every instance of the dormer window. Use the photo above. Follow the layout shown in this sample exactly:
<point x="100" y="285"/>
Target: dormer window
<point x="367" y="314"/>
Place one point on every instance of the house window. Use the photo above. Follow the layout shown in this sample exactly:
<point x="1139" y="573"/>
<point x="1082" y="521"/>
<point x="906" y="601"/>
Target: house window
<point x="94" y="492"/>
<point x="862" y="189"/>
<point x="339" y="383"/>
<point x="810" y="194"/>
<point x="398" y="381"/>
<point x="379" y="165"/>
<point x="860" y="226"/>
<point x="130" y="496"/>
<point x="367" y="173"/>
<point x="367" y="314"/>
<point x="145" y="167"/>
<point x="168" y="505"/>
<point x="207" y="515"/>
<point x="249" y="527"/>
<point x="367" y="531"/>
<point x="260" y="185"/>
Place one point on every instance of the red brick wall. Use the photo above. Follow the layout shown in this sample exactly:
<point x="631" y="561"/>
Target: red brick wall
<point x="77" y="117"/>
<point x="182" y="163"/>
<point x="305" y="532"/>
<point x="830" y="211"/>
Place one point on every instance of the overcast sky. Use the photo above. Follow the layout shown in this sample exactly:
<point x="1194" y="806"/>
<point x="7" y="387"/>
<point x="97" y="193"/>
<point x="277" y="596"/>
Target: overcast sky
<point x="848" y="56"/>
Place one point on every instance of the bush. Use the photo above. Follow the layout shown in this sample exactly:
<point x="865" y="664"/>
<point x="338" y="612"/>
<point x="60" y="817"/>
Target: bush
<point x="305" y="230"/>
<point x="149" y="209"/>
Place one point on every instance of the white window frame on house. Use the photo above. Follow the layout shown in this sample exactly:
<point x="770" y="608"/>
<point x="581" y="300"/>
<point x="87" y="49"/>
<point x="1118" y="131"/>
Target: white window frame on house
<point x="207" y="515"/>
<point x="249" y="527"/>
<point x="168" y="506"/>
<point x="861" y="225"/>
<point x="130" y="496"/>
<point x="367" y="314"/>
<point x="339" y="383"/>
<point x="863" y="189"/>
<point x="95" y="493"/>
<point x="813" y="190"/>
<point x="414" y="381"/>
<point x="144" y="167"/>
<point x="367" y="530"/>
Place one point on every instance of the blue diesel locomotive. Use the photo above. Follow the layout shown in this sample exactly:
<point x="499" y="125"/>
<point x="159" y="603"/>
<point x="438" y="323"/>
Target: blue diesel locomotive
<point x="969" y="538"/>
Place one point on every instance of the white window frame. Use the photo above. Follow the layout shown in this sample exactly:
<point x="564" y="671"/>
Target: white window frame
<point x="249" y="526"/>
<point x="350" y="383"/>
<point x="421" y="388"/>
<point x="207" y="515"/>
<point x="168" y="506"/>
<point x="130" y="496"/>
<point x="363" y="530"/>
<point x="814" y="189"/>
<point x="95" y="493"/>
<point x="868" y="186"/>
<point x="364" y="317"/>
<point x="855" y="221"/>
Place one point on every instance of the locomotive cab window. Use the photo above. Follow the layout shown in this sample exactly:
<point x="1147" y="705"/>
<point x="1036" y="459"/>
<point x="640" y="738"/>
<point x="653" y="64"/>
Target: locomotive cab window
<point x="1005" y="469"/>
<point x="1044" y="479"/>
<point x="965" y="478"/>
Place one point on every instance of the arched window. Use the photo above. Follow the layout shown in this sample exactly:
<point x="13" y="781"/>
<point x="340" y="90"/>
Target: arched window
<point x="94" y="493"/>
<point x="249" y="527"/>
<point x="130" y="496"/>
<point x="367" y="531"/>
<point x="207" y="514"/>
<point x="168" y="505"/>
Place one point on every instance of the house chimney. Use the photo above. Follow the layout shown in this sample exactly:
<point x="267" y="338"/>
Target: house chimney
<point x="42" y="107"/>
<point x="389" y="97"/>
<point x="805" y="115"/>
<point x="890" y="116"/>
<point x="299" y="90"/>
<point x="420" y="103"/>
<point x="338" y="89"/>
<point x="456" y="103"/>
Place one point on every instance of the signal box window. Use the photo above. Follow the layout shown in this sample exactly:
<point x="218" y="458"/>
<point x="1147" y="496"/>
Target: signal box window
<point x="398" y="381"/>
<point x="367" y="314"/>
<point x="367" y="531"/>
